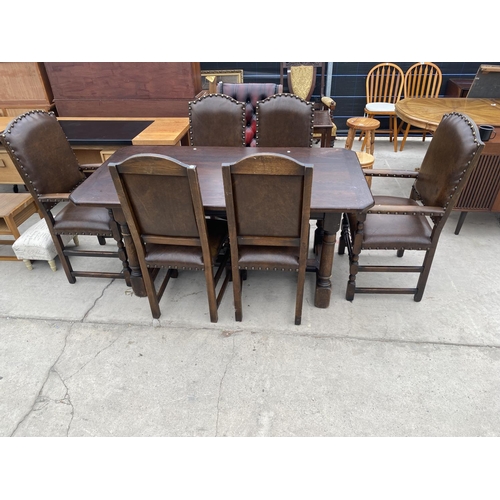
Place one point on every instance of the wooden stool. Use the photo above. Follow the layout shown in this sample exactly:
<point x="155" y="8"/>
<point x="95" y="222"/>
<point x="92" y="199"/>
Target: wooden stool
<point x="15" y="208"/>
<point x="366" y="126"/>
<point x="366" y="161"/>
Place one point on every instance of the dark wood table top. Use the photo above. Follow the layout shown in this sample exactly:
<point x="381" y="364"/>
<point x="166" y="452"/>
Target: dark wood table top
<point x="338" y="181"/>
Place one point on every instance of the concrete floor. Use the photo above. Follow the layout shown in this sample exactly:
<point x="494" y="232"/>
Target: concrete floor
<point x="88" y="360"/>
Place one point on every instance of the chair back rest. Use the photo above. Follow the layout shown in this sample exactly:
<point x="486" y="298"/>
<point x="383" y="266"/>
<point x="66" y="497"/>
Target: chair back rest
<point x="268" y="198"/>
<point x="216" y="120"/>
<point x="301" y="78"/>
<point x="249" y="94"/>
<point x="284" y="120"/>
<point x="423" y="80"/>
<point x="41" y="153"/>
<point x="450" y="158"/>
<point x="384" y="83"/>
<point x="161" y="200"/>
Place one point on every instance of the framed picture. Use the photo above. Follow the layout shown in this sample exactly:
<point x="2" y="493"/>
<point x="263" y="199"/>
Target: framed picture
<point x="210" y="78"/>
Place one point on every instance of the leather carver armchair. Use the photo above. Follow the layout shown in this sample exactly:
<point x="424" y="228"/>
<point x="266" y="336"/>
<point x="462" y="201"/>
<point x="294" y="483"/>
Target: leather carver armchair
<point x="416" y="222"/>
<point x="43" y="157"/>
<point x="249" y="94"/>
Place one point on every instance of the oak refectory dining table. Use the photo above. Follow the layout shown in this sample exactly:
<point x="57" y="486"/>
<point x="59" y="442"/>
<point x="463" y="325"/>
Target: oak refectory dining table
<point x="338" y="186"/>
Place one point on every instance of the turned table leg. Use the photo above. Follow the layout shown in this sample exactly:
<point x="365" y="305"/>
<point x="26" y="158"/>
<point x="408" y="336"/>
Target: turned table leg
<point x="128" y="256"/>
<point x="330" y="227"/>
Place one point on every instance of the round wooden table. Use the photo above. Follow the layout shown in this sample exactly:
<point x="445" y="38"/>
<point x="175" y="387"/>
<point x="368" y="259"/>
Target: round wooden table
<point x="426" y="113"/>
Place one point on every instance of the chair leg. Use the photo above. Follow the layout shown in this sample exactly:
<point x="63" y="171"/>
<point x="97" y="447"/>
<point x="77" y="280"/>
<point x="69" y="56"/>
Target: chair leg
<point x="102" y="240"/>
<point x="405" y="136"/>
<point x="59" y="245"/>
<point x="212" y="298"/>
<point x="401" y="252"/>
<point x="236" y="276"/>
<point x="300" y="295"/>
<point x="354" y="251"/>
<point x="395" y="132"/>
<point x="422" y="280"/>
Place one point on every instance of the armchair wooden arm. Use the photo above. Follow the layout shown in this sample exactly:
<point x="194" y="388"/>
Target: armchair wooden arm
<point x="409" y="174"/>
<point x="54" y="197"/>
<point x="407" y="210"/>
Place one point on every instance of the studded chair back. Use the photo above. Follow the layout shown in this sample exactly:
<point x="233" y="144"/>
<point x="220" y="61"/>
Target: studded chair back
<point x="249" y="94"/>
<point x="43" y="157"/>
<point x="285" y="120"/>
<point x="216" y="120"/>
<point x="268" y="199"/>
<point x="42" y="152"/>
<point x="161" y="201"/>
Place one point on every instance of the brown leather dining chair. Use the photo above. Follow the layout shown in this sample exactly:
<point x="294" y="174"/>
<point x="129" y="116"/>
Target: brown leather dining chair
<point x="285" y="120"/>
<point x="43" y="156"/>
<point x="416" y="222"/>
<point x="216" y="120"/>
<point x="268" y="199"/>
<point x="161" y="201"/>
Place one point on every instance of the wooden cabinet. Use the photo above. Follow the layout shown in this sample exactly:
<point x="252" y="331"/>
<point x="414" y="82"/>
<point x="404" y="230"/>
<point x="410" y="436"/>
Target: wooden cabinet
<point x="23" y="86"/>
<point x="124" y="89"/>
<point x="458" y="87"/>
<point x="8" y="172"/>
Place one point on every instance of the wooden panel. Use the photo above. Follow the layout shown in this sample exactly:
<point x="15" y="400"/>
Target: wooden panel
<point x="23" y="86"/>
<point x="482" y="191"/>
<point x="132" y="108"/>
<point x="124" y="89"/>
<point x="24" y="82"/>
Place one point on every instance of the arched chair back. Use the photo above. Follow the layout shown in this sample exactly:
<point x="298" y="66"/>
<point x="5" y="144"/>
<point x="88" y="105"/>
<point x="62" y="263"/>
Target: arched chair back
<point x="216" y="120"/>
<point x="285" y="120"/>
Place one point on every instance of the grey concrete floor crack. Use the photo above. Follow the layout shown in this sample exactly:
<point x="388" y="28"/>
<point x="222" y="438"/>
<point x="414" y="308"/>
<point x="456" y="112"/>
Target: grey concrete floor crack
<point x="90" y="360"/>
<point x="38" y="397"/>
<point x="220" y="389"/>
<point x="96" y="300"/>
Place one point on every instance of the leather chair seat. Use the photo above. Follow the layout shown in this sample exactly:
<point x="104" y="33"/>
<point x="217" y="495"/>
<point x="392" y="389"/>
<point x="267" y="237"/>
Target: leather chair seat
<point x="82" y="220"/>
<point x="180" y="256"/>
<point x="396" y="231"/>
<point x="269" y="258"/>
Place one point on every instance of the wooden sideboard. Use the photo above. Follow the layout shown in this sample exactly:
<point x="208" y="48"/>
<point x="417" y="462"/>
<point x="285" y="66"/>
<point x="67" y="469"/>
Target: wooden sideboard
<point x="458" y="87"/>
<point x="93" y="145"/>
<point x="482" y="191"/>
<point x="126" y="89"/>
